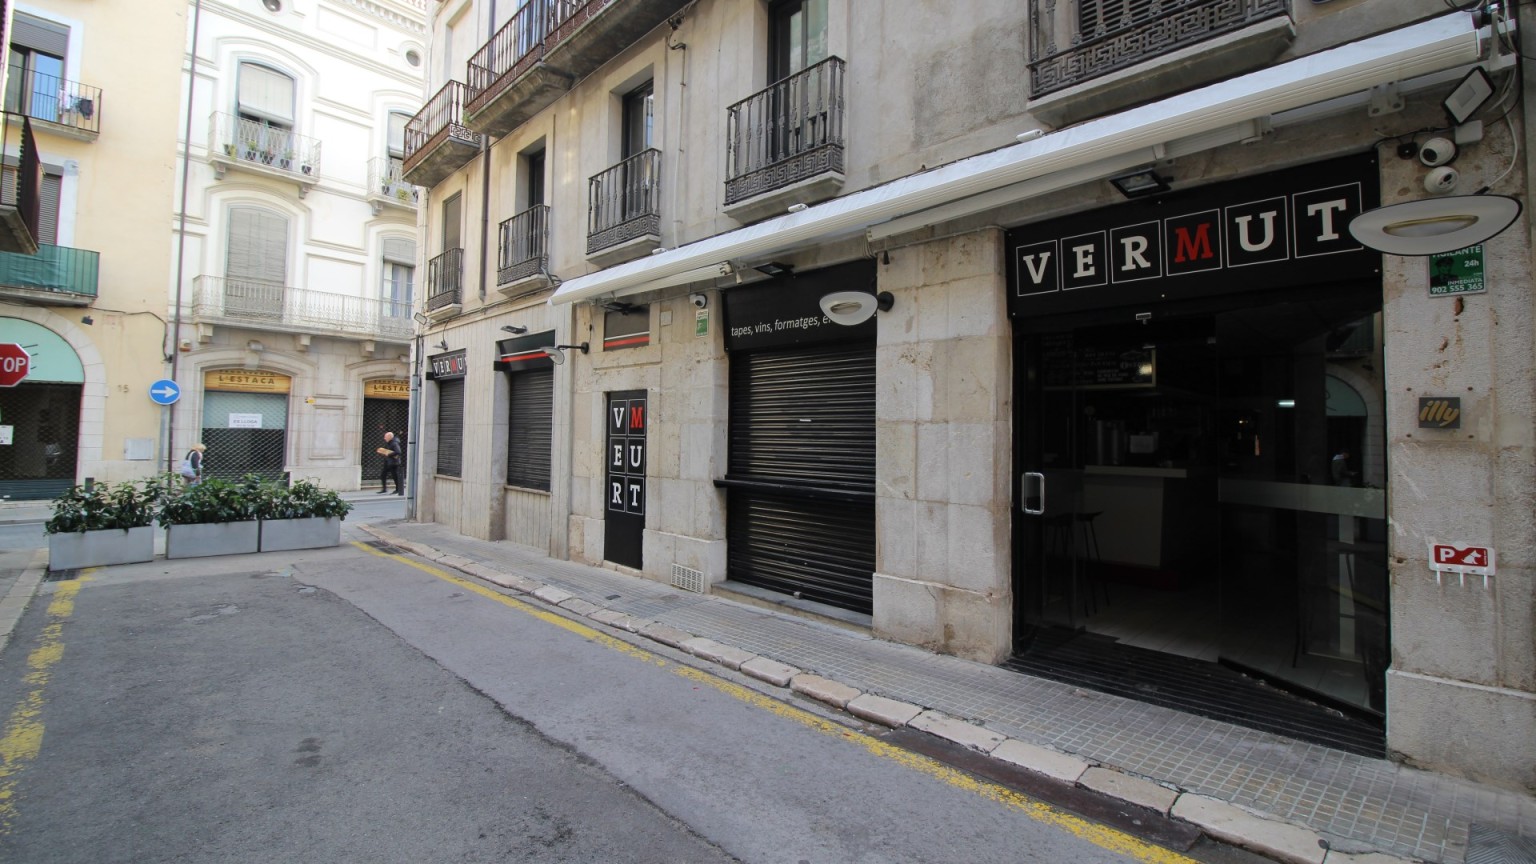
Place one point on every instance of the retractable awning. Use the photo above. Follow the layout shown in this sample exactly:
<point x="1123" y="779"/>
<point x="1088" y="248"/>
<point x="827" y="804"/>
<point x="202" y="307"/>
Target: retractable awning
<point x="1430" y="46"/>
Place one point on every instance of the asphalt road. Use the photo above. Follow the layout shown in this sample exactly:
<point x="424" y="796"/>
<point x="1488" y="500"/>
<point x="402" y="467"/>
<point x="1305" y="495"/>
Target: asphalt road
<point x="345" y="705"/>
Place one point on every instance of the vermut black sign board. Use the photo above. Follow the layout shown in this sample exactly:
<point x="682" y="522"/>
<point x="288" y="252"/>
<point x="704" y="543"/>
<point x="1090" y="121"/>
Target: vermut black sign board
<point x="1257" y="233"/>
<point x="451" y="365"/>
<point x="787" y="310"/>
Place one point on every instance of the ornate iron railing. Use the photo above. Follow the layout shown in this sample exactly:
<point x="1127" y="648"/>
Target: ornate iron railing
<point x="1076" y="40"/>
<point x="384" y="179"/>
<point x="524" y="245"/>
<point x="788" y="132"/>
<point x="442" y="115"/>
<point x="445" y="279"/>
<point x="523" y="41"/>
<point x="60" y="269"/>
<point x="56" y="100"/>
<point x="624" y="202"/>
<point x="259" y="143"/>
<point x="272" y="306"/>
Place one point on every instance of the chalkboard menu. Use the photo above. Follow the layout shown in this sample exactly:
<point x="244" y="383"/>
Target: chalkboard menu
<point x="1065" y="364"/>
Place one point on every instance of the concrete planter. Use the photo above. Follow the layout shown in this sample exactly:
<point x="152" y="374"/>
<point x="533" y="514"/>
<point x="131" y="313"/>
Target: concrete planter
<point x="313" y="532"/>
<point x="212" y="538"/>
<point x="78" y="549"/>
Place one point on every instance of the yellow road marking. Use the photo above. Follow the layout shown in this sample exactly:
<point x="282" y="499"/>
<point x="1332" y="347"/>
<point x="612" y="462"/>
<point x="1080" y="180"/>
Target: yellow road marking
<point x="1102" y="836"/>
<point x="22" y="739"/>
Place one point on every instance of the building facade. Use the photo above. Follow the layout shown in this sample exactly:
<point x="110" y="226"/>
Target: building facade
<point x="294" y="247"/>
<point x="77" y="291"/>
<point x="1035" y="333"/>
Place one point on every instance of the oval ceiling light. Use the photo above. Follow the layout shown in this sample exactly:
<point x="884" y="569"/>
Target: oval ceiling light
<point x="850" y="308"/>
<point x="1434" y="226"/>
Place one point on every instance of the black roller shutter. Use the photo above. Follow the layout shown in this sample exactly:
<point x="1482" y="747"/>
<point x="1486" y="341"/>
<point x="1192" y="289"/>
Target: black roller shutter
<point x="530" y="426"/>
<point x="450" y="427"/>
<point x="800" y="510"/>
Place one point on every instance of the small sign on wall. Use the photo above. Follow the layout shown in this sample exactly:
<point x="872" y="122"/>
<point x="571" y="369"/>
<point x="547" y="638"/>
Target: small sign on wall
<point x="701" y="322"/>
<point x="245" y="421"/>
<point x="1459" y="272"/>
<point x="7" y="434"/>
<point x="1440" y="412"/>
<point x="1461" y="559"/>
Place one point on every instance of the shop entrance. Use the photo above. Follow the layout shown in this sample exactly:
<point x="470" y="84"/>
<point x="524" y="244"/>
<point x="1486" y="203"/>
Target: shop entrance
<point x="1203" y="487"/>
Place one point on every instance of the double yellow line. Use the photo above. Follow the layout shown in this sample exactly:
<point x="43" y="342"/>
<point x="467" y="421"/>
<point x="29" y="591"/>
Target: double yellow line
<point x="1100" y="835"/>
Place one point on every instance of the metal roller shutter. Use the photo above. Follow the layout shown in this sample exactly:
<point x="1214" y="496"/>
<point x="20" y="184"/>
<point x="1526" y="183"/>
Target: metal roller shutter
<point x="450" y="427"/>
<point x="529" y="428"/>
<point x="801" y="513"/>
<point x="246" y="433"/>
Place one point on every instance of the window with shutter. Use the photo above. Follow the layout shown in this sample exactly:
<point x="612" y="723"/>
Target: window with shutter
<point x="48" y="210"/>
<point x="450" y="427"/>
<point x="530" y="425"/>
<point x="258" y="246"/>
<point x="397" y="123"/>
<point x="399" y="276"/>
<point x="266" y="95"/>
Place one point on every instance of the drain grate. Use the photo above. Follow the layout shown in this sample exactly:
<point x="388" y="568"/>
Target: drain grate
<point x="384" y="546"/>
<point x="1487" y="845"/>
<point x="688" y="579"/>
<point x="61" y="575"/>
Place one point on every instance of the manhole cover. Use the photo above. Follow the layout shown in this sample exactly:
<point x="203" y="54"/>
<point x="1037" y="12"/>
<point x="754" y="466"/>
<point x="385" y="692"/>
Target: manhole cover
<point x="1486" y="845"/>
<point x="61" y="575"/>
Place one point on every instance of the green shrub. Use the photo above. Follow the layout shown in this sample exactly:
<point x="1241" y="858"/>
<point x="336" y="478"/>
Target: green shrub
<point x="215" y="500"/>
<point x="106" y="507"/>
<point x="303" y="499"/>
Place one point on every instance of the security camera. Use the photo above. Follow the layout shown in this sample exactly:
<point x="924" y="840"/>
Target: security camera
<point x="699" y="300"/>
<point x="1436" y="152"/>
<point x="1442" y="180"/>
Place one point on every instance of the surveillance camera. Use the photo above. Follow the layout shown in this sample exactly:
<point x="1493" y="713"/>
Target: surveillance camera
<point x="1441" y="180"/>
<point x="699" y="300"/>
<point x="1436" y="152"/>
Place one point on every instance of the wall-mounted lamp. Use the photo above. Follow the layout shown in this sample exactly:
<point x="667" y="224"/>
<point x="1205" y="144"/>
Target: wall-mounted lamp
<point x="442" y="345"/>
<point x="420" y="318"/>
<point x="1434" y="226"/>
<point x="87" y="320"/>
<point x="1139" y="184"/>
<point x="850" y="308"/>
<point x="513" y="329"/>
<point x="774" y="268"/>
<point x="1469" y="96"/>
<point x="557" y="352"/>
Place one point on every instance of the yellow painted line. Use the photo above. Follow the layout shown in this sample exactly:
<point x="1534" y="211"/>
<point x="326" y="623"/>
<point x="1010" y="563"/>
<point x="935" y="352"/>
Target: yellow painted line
<point x="1102" y="836"/>
<point x="22" y="739"/>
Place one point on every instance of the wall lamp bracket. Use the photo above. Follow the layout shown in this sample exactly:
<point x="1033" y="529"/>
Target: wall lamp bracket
<point x="556" y="353"/>
<point x="513" y="329"/>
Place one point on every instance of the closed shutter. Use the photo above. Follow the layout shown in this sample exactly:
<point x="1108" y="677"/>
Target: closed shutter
<point x="246" y="433"/>
<point x="266" y="94"/>
<point x="800" y="510"/>
<point x="48" y="210"/>
<point x="450" y="427"/>
<point x="29" y="31"/>
<point x="258" y="246"/>
<point x="530" y="426"/>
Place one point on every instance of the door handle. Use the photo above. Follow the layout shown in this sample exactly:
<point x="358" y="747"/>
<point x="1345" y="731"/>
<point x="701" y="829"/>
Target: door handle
<point x="1037" y="480"/>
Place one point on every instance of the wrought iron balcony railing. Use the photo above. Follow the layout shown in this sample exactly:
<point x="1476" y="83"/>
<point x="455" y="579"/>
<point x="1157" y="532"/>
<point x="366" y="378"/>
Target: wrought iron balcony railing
<point x="271" y="306"/>
<point x="20" y="198"/>
<point x="56" y="100"/>
<point x="519" y="43"/>
<point x="524" y="245"/>
<point x="386" y="182"/>
<point x="445" y="280"/>
<point x="236" y="140"/>
<point x="624" y="202"/>
<point x="1073" y="41"/>
<point x="437" y="142"/>
<point x="786" y="133"/>
<point x="72" y="273"/>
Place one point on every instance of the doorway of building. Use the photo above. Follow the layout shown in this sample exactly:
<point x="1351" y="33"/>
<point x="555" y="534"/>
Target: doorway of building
<point x="1204" y="486"/>
<point x="381" y="415"/>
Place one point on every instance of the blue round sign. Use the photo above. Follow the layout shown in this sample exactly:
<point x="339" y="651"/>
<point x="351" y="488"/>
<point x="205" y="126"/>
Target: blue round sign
<point x="165" y="391"/>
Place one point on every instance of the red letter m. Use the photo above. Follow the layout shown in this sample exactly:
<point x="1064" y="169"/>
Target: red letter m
<point x="637" y="416"/>
<point x="1187" y="248"/>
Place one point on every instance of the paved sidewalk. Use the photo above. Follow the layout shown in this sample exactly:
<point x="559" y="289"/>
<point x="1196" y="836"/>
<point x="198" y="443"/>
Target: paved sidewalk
<point x="1287" y="799"/>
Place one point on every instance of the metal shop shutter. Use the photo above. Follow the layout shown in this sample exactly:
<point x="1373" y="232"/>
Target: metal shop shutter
<point x="530" y="425"/>
<point x="801" y="506"/>
<point x="246" y="433"/>
<point x="450" y="427"/>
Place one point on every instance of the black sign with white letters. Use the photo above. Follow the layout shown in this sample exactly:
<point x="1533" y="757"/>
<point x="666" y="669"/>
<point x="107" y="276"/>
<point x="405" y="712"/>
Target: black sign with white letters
<point x="1258" y="233"/>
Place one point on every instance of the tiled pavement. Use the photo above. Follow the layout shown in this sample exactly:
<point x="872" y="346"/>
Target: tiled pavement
<point x="1357" y="804"/>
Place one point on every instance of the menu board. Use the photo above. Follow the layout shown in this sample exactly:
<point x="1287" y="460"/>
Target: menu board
<point x="1065" y="364"/>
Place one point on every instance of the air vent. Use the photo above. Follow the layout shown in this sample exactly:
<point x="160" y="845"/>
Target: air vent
<point x="688" y="579"/>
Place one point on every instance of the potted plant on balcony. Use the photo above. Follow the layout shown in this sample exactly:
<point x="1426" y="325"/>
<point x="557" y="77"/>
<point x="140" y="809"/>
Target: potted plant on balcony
<point x="214" y="517"/>
<point x="303" y="516"/>
<point x="94" y="526"/>
<point x="252" y="149"/>
<point x="287" y="161"/>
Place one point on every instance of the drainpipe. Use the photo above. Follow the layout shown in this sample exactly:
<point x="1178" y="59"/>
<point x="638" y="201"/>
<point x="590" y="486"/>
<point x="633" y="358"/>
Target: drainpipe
<point x="485" y="210"/>
<point x="181" y="235"/>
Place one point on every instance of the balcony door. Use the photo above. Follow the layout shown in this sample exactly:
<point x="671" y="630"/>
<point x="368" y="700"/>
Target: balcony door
<point x="638" y="184"/>
<point x="256" y="264"/>
<point x="265" y="128"/>
<point x="35" y="84"/>
<point x="797" y="41"/>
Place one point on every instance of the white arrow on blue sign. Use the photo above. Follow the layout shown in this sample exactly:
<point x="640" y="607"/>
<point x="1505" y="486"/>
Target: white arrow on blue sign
<point x="165" y="391"/>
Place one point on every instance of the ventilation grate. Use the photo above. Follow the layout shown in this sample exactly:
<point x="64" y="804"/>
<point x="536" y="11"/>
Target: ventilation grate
<point x="1488" y="845"/>
<point x="688" y="579"/>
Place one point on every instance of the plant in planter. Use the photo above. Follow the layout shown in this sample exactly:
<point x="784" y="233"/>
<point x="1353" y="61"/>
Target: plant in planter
<point x="251" y="150"/>
<point x="287" y="160"/>
<point x="214" y="517"/>
<point x="303" y="516"/>
<point x="101" y="525"/>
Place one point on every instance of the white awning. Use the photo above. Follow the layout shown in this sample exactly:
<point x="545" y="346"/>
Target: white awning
<point x="1421" y="49"/>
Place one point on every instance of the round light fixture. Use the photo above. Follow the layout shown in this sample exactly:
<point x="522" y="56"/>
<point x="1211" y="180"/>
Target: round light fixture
<point x="273" y="5"/>
<point x="850" y="308"/>
<point x="413" y="57"/>
<point x="1435" y="226"/>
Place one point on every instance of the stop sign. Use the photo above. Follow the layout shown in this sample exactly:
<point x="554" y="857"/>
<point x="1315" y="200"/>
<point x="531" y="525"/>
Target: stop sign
<point x="14" y="364"/>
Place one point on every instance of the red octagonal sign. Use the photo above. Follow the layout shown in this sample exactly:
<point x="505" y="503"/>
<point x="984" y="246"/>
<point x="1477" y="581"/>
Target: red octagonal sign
<point x="14" y="364"/>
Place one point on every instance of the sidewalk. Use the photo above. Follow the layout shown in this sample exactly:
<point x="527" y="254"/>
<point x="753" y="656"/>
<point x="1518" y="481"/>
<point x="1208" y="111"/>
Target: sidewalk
<point x="1289" y="800"/>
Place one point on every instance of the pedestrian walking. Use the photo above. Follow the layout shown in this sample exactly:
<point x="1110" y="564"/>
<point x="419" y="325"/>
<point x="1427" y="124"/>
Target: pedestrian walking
<point x="191" y="469"/>
<point x="391" y="453"/>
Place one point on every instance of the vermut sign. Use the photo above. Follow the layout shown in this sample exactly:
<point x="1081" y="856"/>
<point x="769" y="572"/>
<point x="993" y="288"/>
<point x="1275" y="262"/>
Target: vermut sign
<point x="15" y="363"/>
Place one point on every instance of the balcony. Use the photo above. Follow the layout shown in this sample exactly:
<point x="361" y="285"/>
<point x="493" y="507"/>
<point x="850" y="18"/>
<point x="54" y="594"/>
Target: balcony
<point x="1092" y="57"/>
<point x="445" y="285"/>
<point x="257" y="148"/>
<point x="624" y="210"/>
<point x="61" y="107"/>
<point x="54" y="276"/>
<point x="546" y="47"/>
<point x="523" y="262"/>
<point x="269" y="306"/>
<point x="437" y="143"/>
<point x="19" y="192"/>
<point x="784" y="144"/>
<point x="387" y="186"/>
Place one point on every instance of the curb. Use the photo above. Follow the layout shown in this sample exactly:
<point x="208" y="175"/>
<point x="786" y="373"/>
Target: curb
<point x="21" y="593"/>
<point x="1279" y="840"/>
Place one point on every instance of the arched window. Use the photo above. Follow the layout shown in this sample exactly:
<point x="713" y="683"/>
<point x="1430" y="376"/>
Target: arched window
<point x="399" y="260"/>
<point x="255" y="262"/>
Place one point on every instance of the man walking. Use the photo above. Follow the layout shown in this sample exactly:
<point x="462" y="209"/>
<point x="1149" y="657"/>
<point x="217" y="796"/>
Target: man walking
<point x="391" y="453"/>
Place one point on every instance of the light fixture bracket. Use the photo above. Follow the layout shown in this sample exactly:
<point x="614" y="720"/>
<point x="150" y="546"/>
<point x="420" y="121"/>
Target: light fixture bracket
<point x="852" y="308"/>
